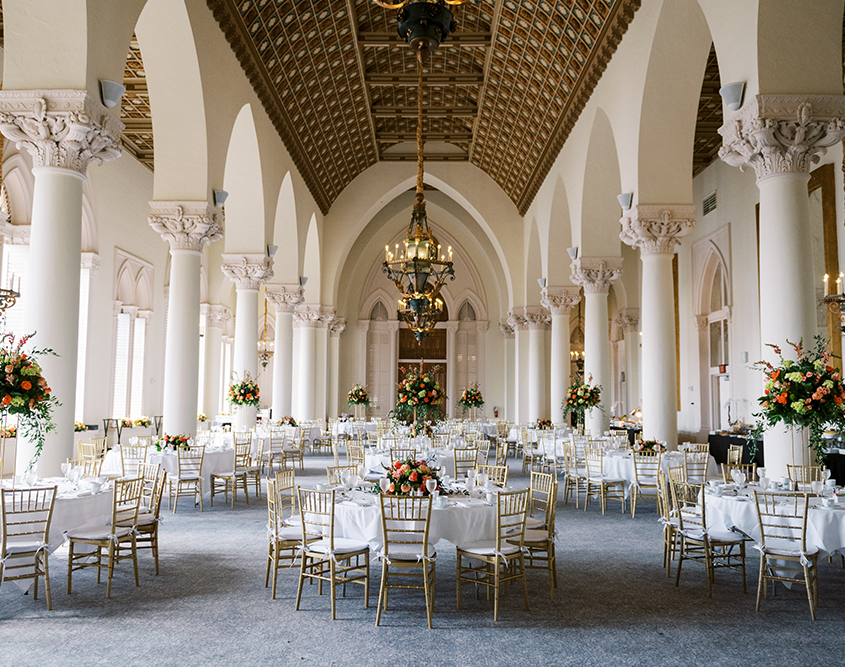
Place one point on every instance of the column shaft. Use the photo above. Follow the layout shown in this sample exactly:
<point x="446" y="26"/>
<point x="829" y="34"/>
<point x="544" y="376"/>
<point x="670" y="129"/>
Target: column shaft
<point x="334" y="376"/>
<point x="246" y="349"/>
<point x="307" y="369"/>
<point x="283" y="369"/>
<point x="597" y="358"/>
<point x="213" y="343"/>
<point x="536" y="373"/>
<point x="632" y="363"/>
<point x="560" y="364"/>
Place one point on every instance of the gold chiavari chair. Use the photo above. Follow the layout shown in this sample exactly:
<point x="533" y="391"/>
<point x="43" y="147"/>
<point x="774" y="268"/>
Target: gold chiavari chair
<point x="749" y="469"/>
<point x="276" y="451"/>
<point x="465" y="460"/>
<point x="254" y="466"/>
<point x="338" y="474"/>
<point x="283" y="540"/>
<point x="305" y="429"/>
<point x="229" y="480"/>
<point x="698" y="543"/>
<point x="147" y="528"/>
<point x="101" y="445"/>
<point x="441" y="441"/>
<point x="698" y="447"/>
<point x="575" y="474"/>
<point x="131" y="457"/>
<point x="539" y="497"/>
<point x="286" y="496"/>
<point x="117" y="536"/>
<point x="784" y="555"/>
<point x="293" y="451"/>
<point x="149" y="472"/>
<point x="540" y="541"/>
<point x="803" y="475"/>
<point x="401" y="454"/>
<point x="355" y="455"/>
<point x="646" y="465"/>
<point x="483" y="451"/>
<point x="668" y="518"/>
<point x="734" y="454"/>
<point x="501" y="560"/>
<point x="695" y="467"/>
<point x="145" y="440"/>
<point x="405" y="522"/>
<point x="90" y="468"/>
<point x="532" y="454"/>
<point x="338" y="561"/>
<point x="25" y="516"/>
<point x="188" y="479"/>
<point x="87" y="451"/>
<point x="242" y="437"/>
<point x="498" y="474"/>
<point x="609" y="488"/>
<point x="501" y="453"/>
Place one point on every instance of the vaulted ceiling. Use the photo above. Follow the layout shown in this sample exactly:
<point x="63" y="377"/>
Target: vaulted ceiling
<point x="503" y="92"/>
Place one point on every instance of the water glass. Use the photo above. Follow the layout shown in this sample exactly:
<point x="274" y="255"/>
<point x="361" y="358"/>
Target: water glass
<point x="817" y="487"/>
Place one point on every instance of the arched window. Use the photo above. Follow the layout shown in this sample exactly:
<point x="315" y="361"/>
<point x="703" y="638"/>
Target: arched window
<point x="466" y="313"/>
<point x="379" y="312"/>
<point x="718" y="319"/>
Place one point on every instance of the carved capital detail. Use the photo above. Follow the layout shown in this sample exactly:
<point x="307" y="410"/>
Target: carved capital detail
<point x="60" y="128"/>
<point x="701" y="322"/>
<point x="248" y="271"/>
<point x="217" y="316"/>
<point x="559" y="300"/>
<point x="782" y="134"/>
<point x="656" y="229"/>
<point x="595" y="274"/>
<point x="538" y="321"/>
<point x="186" y="225"/>
<point x="312" y="317"/>
<point x="505" y="329"/>
<point x="481" y="327"/>
<point x="90" y="261"/>
<point x="285" y="298"/>
<point x="337" y="326"/>
<point x="628" y="320"/>
<point x="516" y="321"/>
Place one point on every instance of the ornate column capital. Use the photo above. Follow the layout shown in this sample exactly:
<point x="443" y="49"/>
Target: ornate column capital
<point x="60" y="128"/>
<point x="782" y="134"/>
<point x="90" y="261"/>
<point x="559" y="300"/>
<point x="537" y="321"/>
<point x="311" y="317"/>
<point x="285" y="298"/>
<point x="186" y="225"/>
<point x="451" y="327"/>
<point x="481" y="327"/>
<point x="337" y="327"/>
<point x="656" y="229"/>
<point x="248" y="271"/>
<point x="628" y="320"/>
<point x="595" y="274"/>
<point x="393" y="326"/>
<point x="701" y="322"/>
<point x="217" y="316"/>
<point x="506" y="330"/>
<point x="364" y="325"/>
<point x="516" y="321"/>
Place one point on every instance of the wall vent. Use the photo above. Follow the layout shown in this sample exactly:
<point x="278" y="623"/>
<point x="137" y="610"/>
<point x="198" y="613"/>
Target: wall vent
<point x="709" y="203"/>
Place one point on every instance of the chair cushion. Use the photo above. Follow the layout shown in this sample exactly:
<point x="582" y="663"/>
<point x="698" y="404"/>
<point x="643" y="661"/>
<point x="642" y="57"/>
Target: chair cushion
<point x="607" y="480"/>
<point x="488" y="548"/>
<point x="147" y="520"/>
<point x="22" y="544"/>
<point x="223" y="474"/>
<point x="98" y="532"/>
<point x="342" y="545"/>
<point x="532" y="536"/>
<point x="294" y="520"/>
<point x="647" y="481"/>
<point x="533" y="522"/>
<point x="786" y="548"/>
<point x="187" y="477"/>
<point x="409" y="552"/>
<point x="289" y="533"/>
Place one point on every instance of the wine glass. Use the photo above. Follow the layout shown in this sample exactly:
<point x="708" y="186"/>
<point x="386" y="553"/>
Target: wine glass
<point x="73" y="475"/>
<point x="431" y="485"/>
<point x="826" y="474"/>
<point x="481" y="478"/>
<point x="761" y="472"/>
<point x="817" y="486"/>
<point x="764" y="483"/>
<point x="66" y="466"/>
<point x="470" y="483"/>
<point x="384" y="484"/>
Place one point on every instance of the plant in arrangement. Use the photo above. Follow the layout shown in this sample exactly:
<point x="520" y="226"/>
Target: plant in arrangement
<point x="143" y="422"/>
<point x="202" y="417"/>
<point x="79" y="427"/>
<point x="648" y="446"/>
<point x="421" y="428"/>
<point x="10" y="432"/>
<point x="174" y="442"/>
<point x="358" y="396"/>
<point x="418" y="396"/>
<point x="580" y="397"/>
<point x="542" y="424"/>
<point x="409" y="476"/>
<point x="126" y="423"/>
<point x="287" y="421"/>
<point x="805" y="393"/>
<point x="25" y="392"/>
<point x="470" y="399"/>
<point x="243" y="392"/>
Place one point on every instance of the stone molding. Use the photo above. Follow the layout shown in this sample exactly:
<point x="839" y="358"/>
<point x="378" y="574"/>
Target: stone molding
<point x="481" y="327"/>
<point x="217" y="316"/>
<point x="559" y="300"/>
<point x="506" y="330"/>
<point x="312" y="317"/>
<point x="451" y="327"/>
<point x="248" y="271"/>
<point x="186" y="225"/>
<point x="628" y="320"/>
<point x="783" y="134"/>
<point x="364" y="325"/>
<point x="337" y="326"/>
<point x="393" y="326"/>
<point x="285" y="298"/>
<point x="90" y="261"/>
<point x="595" y="274"/>
<point x="14" y="234"/>
<point x="656" y="229"/>
<point x="68" y="129"/>
<point x="701" y="322"/>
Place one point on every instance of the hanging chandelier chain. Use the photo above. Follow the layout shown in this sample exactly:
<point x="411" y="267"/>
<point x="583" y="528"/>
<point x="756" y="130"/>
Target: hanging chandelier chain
<point x="420" y="124"/>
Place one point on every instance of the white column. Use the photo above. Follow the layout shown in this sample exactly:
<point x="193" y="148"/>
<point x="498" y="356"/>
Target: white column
<point x="335" y="330"/>
<point x="64" y="131"/>
<point x="306" y="318"/>
<point x="628" y="321"/>
<point x="509" y="408"/>
<point x="217" y="317"/>
<point x="595" y="274"/>
<point x="187" y="226"/>
<point x="538" y="323"/>
<point x="451" y="363"/>
<point x="656" y="230"/>
<point x="559" y="301"/>
<point x="390" y="400"/>
<point x="284" y="299"/>
<point x="781" y="136"/>
<point x="517" y="322"/>
<point x="248" y="272"/>
<point x="322" y="369"/>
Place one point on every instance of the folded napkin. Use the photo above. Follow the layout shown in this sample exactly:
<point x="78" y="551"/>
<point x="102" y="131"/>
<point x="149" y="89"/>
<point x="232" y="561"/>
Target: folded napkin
<point x="464" y="503"/>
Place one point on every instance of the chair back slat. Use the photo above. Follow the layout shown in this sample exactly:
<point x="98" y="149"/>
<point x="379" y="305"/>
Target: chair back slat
<point x="498" y="474"/>
<point x="405" y="522"/>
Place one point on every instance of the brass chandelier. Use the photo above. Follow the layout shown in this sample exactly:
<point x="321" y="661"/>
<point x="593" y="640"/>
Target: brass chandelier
<point x="420" y="267"/>
<point x="264" y="355"/>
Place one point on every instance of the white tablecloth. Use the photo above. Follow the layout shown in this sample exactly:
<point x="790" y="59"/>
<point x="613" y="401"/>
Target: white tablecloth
<point x="533" y="433"/>
<point x="345" y="428"/>
<point x="458" y="525"/>
<point x="213" y="461"/>
<point x="622" y="467"/>
<point x="441" y="459"/>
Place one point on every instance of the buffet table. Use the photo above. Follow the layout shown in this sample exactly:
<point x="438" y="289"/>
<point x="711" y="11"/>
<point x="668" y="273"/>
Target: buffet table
<point x="719" y="444"/>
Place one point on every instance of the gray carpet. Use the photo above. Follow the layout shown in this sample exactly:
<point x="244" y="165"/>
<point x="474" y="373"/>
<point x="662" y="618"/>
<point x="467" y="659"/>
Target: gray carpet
<point x="614" y="605"/>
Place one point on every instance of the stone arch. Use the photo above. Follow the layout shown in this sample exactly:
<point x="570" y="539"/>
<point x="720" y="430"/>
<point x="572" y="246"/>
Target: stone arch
<point x="599" y="224"/>
<point x="243" y="181"/>
<point x="18" y="182"/>
<point x="703" y="284"/>
<point x="534" y="269"/>
<point x="144" y="290"/>
<point x="559" y="238"/>
<point x="286" y="234"/>
<point x="125" y="286"/>
<point x="379" y="311"/>
<point x="373" y="297"/>
<point x="311" y="266"/>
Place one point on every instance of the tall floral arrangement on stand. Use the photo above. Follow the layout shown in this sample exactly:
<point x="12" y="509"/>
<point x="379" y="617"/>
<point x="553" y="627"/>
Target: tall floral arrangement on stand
<point x="805" y="393"/>
<point x="580" y="397"/>
<point x="244" y="392"/>
<point x="25" y="393"/>
<point x="358" y="396"/>
<point x="471" y="399"/>
<point x="418" y="396"/>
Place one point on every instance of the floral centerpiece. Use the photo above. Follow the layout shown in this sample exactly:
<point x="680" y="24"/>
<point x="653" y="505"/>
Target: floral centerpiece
<point x="287" y="421"/>
<point x="25" y="392"/>
<point x="421" y="428"/>
<point x="174" y="442"/>
<point x="648" y="446"/>
<point x="419" y="394"/>
<point x="202" y="417"/>
<point x="10" y="432"/>
<point x="358" y="396"/>
<point x="471" y="399"/>
<point x="79" y="427"/>
<point x="244" y="392"/>
<point x="143" y="422"/>
<point x="580" y="397"/>
<point x="125" y="423"/>
<point x="409" y="476"/>
<point x="805" y="393"/>
<point x="542" y="424"/>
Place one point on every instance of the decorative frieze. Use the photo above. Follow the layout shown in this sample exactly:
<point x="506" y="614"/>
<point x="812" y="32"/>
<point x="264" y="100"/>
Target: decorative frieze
<point x="595" y="274"/>
<point x="186" y="225"/>
<point x="559" y="300"/>
<point x="656" y="229"/>
<point x="516" y="321"/>
<point x="60" y="128"/>
<point x="781" y="134"/>
<point x="313" y="317"/>
<point x="285" y="298"/>
<point x="628" y="320"/>
<point x="248" y="271"/>
<point x="217" y="316"/>
<point x="537" y="321"/>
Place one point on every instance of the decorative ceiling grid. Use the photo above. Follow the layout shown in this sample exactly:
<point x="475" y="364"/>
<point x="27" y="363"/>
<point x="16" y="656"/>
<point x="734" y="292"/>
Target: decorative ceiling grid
<point x="709" y="120"/>
<point x="135" y="111"/>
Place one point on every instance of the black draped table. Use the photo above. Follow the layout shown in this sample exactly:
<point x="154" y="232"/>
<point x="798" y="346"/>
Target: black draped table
<point x="719" y="444"/>
<point x="836" y="464"/>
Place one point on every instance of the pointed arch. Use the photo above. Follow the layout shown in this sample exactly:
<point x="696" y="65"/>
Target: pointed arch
<point x="599" y="233"/>
<point x="243" y="181"/>
<point x="286" y="234"/>
<point x="311" y="267"/>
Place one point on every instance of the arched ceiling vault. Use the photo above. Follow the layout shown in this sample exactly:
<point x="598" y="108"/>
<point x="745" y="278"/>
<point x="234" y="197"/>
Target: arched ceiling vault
<point x="503" y="93"/>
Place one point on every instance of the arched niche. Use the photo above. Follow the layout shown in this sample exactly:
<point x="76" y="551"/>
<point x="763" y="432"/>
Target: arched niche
<point x="311" y="266"/>
<point x="243" y="181"/>
<point x="599" y="208"/>
<point x="286" y="235"/>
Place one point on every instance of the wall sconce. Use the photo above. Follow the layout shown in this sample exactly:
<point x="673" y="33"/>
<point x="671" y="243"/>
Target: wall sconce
<point x="111" y="92"/>
<point x="573" y="253"/>
<point x="220" y="198"/>
<point x="541" y="282"/>
<point x="302" y="281"/>
<point x="625" y="200"/>
<point x="271" y="250"/>
<point x="732" y="94"/>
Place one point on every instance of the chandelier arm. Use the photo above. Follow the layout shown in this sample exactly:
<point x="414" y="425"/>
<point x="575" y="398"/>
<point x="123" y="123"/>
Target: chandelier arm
<point x="419" y="123"/>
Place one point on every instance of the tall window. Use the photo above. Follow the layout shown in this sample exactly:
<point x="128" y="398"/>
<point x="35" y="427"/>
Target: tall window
<point x="719" y="336"/>
<point x="123" y="334"/>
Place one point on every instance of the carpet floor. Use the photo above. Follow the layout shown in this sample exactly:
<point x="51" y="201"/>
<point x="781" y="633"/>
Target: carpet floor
<point x="614" y="606"/>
